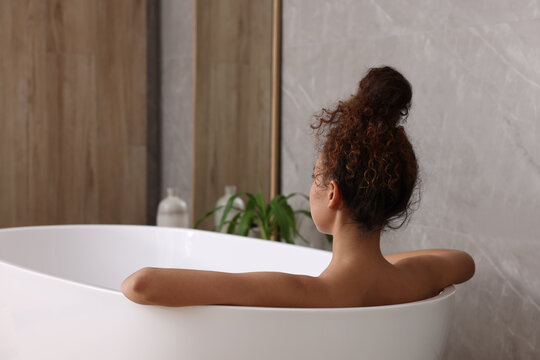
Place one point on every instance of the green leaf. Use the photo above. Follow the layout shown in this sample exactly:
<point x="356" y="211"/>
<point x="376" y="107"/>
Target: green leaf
<point x="258" y="203"/>
<point x="290" y="213"/>
<point x="283" y="221"/>
<point x="272" y="221"/>
<point x="233" y="223"/>
<point x="226" y="211"/>
<point x="205" y="216"/>
<point x="245" y="222"/>
<point x="261" y="204"/>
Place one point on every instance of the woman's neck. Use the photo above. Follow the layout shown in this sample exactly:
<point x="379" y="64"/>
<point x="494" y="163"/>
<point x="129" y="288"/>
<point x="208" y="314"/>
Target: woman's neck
<point x="354" y="249"/>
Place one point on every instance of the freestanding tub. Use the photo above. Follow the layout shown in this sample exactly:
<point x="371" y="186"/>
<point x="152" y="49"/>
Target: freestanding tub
<point x="60" y="299"/>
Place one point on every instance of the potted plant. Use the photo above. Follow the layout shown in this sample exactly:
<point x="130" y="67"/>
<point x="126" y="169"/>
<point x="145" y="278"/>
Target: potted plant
<point x="275" y="219"/>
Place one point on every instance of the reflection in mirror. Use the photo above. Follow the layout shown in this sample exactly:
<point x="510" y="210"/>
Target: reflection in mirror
<point x="236" y="100"/>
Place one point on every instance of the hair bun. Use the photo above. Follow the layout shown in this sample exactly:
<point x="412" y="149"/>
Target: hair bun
<point x="384" y="95"/>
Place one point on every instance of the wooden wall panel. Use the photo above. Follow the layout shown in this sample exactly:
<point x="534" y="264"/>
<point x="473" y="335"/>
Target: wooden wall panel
<point x="121" y="82"/>
<point x="232" y="99"/>
<point x="122" y="72"/>
<point x="72" y="132"/>
<point x="119" y="198"/>
<point x="72" y="26"/>
<point x="73" y="112"/>
<point x="22" y="29"/>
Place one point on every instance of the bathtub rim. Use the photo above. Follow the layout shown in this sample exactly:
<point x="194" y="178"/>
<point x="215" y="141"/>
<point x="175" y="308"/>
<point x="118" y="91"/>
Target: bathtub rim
<point x="446" y="293"/>
<point x="238" y="237"/>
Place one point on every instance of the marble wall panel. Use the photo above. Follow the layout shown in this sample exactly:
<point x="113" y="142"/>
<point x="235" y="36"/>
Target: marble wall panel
<point x="475" y="71"/>
<point x="177" y="97"/>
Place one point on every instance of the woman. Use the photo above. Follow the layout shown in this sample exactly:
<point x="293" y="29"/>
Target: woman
<point x="362" y="184"/>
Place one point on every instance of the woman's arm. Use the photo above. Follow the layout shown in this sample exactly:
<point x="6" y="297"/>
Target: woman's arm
<point x="183" y="287"/>
<point x="441" y="267"/>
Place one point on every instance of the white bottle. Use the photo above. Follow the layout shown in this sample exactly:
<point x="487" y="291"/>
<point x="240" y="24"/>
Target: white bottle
<point x="230" y="190"/>
<point x="172" y="211"/>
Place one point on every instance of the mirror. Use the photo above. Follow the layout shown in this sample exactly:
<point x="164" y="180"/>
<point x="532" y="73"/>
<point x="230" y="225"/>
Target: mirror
<point x="236" y="106"/>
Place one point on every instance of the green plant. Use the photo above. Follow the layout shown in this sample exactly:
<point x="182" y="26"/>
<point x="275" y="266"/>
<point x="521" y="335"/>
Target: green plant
<point x="276" y="218"/>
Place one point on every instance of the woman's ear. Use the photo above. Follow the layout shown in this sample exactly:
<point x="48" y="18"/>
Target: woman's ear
<point x="334" y="196"/>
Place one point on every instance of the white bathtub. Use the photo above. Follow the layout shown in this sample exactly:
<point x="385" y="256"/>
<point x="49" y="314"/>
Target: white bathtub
<point x="60" y="299"/>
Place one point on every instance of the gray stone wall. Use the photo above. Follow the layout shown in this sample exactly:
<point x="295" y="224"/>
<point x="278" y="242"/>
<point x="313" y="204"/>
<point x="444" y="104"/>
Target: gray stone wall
<point x="475" y="124"/>
<point x="177" y="97"/>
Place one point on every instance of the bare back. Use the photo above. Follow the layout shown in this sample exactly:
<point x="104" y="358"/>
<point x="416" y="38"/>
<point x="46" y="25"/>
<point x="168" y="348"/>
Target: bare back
<point x="404" y="277"/>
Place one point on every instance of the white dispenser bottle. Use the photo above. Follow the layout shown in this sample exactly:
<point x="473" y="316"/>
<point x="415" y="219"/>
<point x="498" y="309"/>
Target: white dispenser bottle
<point x="172" y="211"/>
<point x="230" y="190"/>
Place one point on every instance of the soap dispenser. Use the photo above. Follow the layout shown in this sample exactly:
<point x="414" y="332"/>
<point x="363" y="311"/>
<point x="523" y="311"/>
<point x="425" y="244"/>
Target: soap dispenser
<point x="230" y="190"/>
<point x="172" y="211"/>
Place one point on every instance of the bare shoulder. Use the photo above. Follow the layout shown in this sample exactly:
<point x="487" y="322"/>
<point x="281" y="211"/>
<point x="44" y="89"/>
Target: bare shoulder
<point x="437" y="268"/>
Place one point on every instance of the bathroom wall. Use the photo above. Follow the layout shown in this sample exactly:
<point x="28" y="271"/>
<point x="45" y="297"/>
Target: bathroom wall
<point x="73" y="112"/>
<point x="177" y="96"/>
<point x="475" y="71"/>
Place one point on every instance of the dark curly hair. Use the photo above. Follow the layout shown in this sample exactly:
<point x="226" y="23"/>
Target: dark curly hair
<point x="364" y="149"/>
